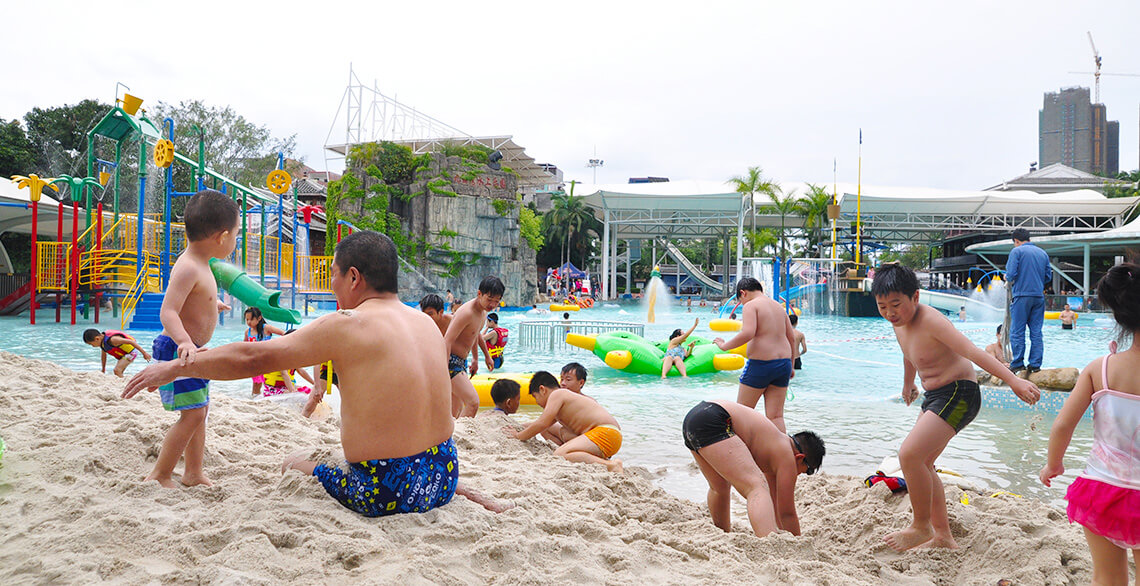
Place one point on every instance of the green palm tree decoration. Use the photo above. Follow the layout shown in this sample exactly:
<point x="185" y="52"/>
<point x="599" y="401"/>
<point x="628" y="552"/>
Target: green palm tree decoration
<point x="76" y="185"/>
<point x="813" y="207"/>
<point x="752" y="183"/>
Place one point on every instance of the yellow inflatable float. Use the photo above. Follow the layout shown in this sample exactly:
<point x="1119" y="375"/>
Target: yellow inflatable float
<point x="561" y="307"/>
<point x="483" y="382"/>
<point x="1057" y="315"/>
<point x="724" y="325"/>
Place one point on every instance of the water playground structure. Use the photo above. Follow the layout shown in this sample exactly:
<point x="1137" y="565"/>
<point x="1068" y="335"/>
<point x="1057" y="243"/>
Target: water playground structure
<point x="629" y="352"/>
<point x="126" y="257"/>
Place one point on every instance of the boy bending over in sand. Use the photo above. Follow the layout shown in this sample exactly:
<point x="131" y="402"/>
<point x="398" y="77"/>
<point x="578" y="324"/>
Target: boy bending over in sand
<point x="596" y="434"/>
<point x="941" y="356"/>
<point x="771" y="343"/>
<point x="736" y="447"/>
<point x="396" y="421"/>
<point x="462" y="338"/>
<point x="122" y="347"/>
<point x="189" y="313"/>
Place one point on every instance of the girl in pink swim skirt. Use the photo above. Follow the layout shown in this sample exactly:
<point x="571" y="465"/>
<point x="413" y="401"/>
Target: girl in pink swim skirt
<point x="1105" y="497"/>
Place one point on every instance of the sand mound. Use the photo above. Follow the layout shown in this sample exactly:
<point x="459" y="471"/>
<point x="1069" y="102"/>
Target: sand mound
<point x="73" y="510"/>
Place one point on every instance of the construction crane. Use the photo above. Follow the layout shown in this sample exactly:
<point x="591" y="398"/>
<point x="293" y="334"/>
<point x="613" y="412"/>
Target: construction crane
<point x="1096" y="74"/>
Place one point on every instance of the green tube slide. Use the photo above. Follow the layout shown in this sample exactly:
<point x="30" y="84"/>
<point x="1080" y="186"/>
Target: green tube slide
<point x="251" y="293"/>
<point x="631" y="353"/>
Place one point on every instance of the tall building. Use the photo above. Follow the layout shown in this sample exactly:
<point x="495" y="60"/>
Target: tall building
<point x="1075" y="132"/>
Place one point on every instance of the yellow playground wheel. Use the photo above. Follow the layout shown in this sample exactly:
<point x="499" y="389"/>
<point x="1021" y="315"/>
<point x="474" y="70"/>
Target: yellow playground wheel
<point x="278" y="181"/>
<point x="164" y="153"/>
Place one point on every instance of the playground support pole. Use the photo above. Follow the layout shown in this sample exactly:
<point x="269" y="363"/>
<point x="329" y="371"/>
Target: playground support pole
<point x="244" y="240"/>
<point x="261" y="245"/>
<point x="73" y="260"/>
<point x="293" y="276"/>
<point x="95" y="259"/>
<point x="167" y="187"/>
<point x="59" y="210"/>
<point x="35" y="252"/>
<point x="139" y="218"/>
<point x="859" y="205"/>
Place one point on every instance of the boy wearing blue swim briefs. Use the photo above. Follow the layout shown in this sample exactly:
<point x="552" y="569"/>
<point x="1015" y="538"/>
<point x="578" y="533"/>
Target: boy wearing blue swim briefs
<point x="395" y="427"/>
<point x="771" y="351"/>
<point x="189" y="313"/>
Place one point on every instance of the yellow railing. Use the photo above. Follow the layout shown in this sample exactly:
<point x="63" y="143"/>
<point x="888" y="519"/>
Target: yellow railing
<point x="114" y="269"/>
<point x="51" y="266"/>
<point x="318" y="278"/>
<point x="147" y="281"/>
<point x="286" y="261"/>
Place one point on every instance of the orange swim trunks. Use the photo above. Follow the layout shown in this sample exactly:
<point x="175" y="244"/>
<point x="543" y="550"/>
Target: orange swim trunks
<point x="607" y="438"/>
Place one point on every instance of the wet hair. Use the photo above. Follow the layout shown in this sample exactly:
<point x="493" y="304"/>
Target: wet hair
<point x="1021" y="234"/>
<point x="566" y="315"/>
<point x="812" y="448"/>
<point x="1119" y="290"/>
<point x="795" y="319"/>
<point x="255" y="313"/>
<point x="999" y="330"/>
<point x="748" y="284"/>
<point x="209" y="212"/>
<point x="579" y="371"/>
<point x="542" y="379"/>
<point x="89" y="335"/>
<point x="432" y="301"/>
<point x="493" y="317"/>
<point x="374" y="255"/>
<point x="491" y="285"/>
<point x="676" y="332"/>
<point x="504" y="390"/>
<point x="894" y="278"/>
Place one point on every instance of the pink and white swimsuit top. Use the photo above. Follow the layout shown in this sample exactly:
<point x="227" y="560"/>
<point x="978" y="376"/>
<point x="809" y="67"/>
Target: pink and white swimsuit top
<point x="1115" y="455"/>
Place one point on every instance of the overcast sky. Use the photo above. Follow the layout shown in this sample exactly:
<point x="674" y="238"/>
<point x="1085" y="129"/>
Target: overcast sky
<point x="946" y="93"/>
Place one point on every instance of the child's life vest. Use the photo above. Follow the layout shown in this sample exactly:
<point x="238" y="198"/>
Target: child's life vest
<point x="116" y="351"/>
<point x="496" y="349"/>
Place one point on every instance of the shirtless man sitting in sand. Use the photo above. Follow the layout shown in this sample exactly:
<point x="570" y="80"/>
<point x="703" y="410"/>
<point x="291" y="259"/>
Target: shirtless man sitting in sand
<point x="771" y="343"/>
<point x="395" y="404"/>
<point x="736" y="447"/>
<point x="596" y="434"/>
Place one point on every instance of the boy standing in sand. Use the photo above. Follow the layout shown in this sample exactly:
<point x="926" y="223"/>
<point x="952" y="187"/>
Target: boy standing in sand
<point x="941" y="355"/>
<point x="771" y="343"/>
<point x="398" y="423"/>
<point x="462" y="338"/>
<point x="189" y="313"/>
<point x="597" y="434"/>
<point x="735" y="446"/>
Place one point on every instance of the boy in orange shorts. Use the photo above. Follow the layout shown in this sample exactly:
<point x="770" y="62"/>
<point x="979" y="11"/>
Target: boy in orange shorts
<point x="597" y="434"/>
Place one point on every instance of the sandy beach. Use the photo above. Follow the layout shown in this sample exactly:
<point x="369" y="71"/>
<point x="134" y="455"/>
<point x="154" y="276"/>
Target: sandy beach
<point x="73" y="510"/>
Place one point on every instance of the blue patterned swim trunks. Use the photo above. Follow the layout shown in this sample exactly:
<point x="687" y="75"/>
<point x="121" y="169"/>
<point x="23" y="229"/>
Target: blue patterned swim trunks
<point x="184" y="393"/>
<point x="412" y="484"/>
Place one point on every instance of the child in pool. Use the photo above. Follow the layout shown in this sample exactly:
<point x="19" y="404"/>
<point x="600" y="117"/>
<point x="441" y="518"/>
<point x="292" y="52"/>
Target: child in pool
<point x="573" y="377"/>
<point x="675" y="354"/>
<point x="800" y="341"/>
<point x="996" y="351"/>
<point x="122" y="347"/>
<point x="597" y="434"/>
<point x="277" y="384"/>
<point x="941" y="356"/>
<point x="1105" y="497"/>
<point x="258" y="330"/>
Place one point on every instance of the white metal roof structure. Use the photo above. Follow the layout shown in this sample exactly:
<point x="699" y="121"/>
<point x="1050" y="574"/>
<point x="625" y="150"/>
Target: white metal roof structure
<point x="674" y="209"/>
<point x="910" y="214"/>
<point x="1115" y="242"/>
<point x="19" y="219"/>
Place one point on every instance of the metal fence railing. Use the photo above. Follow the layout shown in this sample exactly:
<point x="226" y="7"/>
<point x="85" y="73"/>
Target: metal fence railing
<point x="551" y="334"/>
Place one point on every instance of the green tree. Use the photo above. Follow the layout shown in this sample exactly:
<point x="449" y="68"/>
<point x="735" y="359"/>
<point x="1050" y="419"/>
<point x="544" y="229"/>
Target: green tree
<point x="17" y="154"/>
<point x="813" y="207"/>
<point x="235" y="147"/>
<point x="60" y="136"/>
<point x="570" y="229"/>
<point x="915" y="256"/>
<point x="751" y="183"/>
<point x="785" y="205"/>
<point x="1124" y="190"/>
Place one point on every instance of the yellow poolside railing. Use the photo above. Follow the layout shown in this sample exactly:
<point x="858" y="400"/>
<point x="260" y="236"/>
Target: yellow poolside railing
<point x="318" y="278"/>
<point x="51" y="266"/>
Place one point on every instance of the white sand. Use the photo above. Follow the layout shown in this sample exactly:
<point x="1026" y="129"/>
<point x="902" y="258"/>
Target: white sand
<point x="73" y="510"/>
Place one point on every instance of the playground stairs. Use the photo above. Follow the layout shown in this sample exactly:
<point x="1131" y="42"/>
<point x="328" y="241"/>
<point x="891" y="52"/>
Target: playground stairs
<point x="146" y="313"/>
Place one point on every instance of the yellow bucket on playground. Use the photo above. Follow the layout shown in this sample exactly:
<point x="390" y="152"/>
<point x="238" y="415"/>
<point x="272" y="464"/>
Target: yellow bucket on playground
<point x="131" y="104"/>
<point x="103" y="178"/>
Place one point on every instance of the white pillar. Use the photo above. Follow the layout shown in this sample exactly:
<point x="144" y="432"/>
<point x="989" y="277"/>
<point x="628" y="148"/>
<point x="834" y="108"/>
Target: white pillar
<point x="739" y="244"/>
<point x="605" y="254"/>
<point x="628" y="263"/>
<point x="613" y="266"/>
<point x="1086" y="271"/>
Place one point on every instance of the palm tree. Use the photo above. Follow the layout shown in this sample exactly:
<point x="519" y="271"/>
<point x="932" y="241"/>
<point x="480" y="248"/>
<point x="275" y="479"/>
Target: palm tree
<point x="571" y="221"/>
<point x="785" y="205"/>
<point x="813" y="207"/>
<point x="752" y="183"/>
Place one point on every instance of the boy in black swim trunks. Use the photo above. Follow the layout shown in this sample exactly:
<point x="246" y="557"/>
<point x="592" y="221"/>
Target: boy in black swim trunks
<point x="462" y="338"/>
<point x="934" y="349"/>
<point x="735" y="446"/>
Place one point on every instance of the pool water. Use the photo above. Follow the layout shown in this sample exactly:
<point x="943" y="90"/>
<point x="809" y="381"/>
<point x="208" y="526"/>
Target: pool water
<point x="847" y="393"/>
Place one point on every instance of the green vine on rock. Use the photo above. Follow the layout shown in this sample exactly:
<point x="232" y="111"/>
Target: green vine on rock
<point x="503" y="207"/>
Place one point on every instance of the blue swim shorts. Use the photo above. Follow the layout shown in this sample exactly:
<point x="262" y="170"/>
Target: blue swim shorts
<point x="184" y="393"/>
<point x="759" y="374"/>
<point x="412" y="484"/>
<point x="456" y="364"/>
